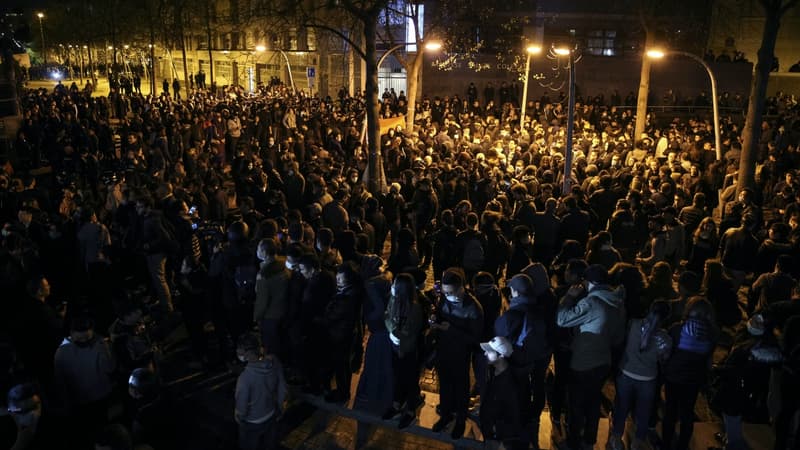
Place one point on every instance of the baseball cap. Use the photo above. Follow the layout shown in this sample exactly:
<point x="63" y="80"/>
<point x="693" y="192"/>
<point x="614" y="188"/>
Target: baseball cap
<point x="500" y="345"/>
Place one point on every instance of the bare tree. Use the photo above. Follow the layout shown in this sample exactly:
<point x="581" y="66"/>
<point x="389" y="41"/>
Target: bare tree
<point x="751" y="133"/>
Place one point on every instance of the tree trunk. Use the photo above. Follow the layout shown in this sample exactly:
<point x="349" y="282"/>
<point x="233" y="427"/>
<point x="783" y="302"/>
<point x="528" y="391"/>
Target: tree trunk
<point x="375" y="176"/>
<point x="751" y="134"/>
<point x="414" y="69"/>
<point x="183" y="49"/>
<point x="644" y="89"/>
<point x="208" y="41"/>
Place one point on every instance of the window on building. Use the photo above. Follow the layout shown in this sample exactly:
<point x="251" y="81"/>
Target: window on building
<point x="602" y="43"/>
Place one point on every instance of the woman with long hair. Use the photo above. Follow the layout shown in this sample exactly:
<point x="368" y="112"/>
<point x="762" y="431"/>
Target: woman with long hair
<point x="404" y="320"/>
<point x="694" y="340"/>
<point x="659" y="284"/>
<point x="633" y="280"/>
<point x="705" y="244"/>
<point x="718" y="288"/>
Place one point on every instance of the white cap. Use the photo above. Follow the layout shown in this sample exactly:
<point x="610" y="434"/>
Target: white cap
<point x="500" y="345"/>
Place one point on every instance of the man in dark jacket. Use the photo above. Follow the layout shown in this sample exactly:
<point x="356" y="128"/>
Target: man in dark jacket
<point x="320" y="289"/>
<point x="272" y="295"/>
<point x="524" y="320"/>
<point x="499" y="411"/>
<point x="155" y="242"/>
<point x="576" y="223"/>
<point x="459" y="322"/>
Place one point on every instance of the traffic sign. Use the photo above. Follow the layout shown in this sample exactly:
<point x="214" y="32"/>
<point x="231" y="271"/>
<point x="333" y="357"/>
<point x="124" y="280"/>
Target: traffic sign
<point x="311" y="72"/>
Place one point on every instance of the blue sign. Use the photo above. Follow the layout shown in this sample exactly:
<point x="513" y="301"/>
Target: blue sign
<point x="311" y="72"/>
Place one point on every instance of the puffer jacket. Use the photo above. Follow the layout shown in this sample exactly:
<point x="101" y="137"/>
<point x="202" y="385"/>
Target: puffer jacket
<point x="600" y="321"/>
<point x="694" y="342"/>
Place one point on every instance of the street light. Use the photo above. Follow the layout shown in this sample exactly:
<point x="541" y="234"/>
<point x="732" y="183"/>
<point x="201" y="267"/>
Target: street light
<point x="658" y="54"/>
<point x="531" y="50"/>
<point x="41" y="30"/>
<point x="565" y="51"/>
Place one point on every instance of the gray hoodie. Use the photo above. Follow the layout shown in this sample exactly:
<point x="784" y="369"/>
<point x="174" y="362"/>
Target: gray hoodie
<point x="260" y="391"/>
<point x="600" y="320"/>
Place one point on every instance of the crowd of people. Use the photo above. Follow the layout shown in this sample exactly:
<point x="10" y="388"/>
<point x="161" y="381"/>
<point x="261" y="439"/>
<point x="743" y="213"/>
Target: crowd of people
<point x="245" y="220"/>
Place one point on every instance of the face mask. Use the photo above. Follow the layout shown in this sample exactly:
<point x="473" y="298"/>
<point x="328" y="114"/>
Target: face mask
<point x="393" y="291"/>
<point x="242" y="358"/>
<point x="452" y="298"/>
<point x="290" y="266"/>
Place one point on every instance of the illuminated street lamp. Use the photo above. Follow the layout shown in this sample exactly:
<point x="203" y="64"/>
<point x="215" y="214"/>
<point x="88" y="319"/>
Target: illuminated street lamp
<point x="531" y="50"/>
<point x="41" y="30"/>
<point x="658" y="54"/>
<point x="566" y="51"/>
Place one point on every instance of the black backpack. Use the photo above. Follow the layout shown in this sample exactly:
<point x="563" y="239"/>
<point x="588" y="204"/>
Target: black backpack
<point x="530" y="343"/>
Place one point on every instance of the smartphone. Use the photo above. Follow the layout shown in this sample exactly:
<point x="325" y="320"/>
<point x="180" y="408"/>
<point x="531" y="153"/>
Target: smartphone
<point x="437" y="287"/>
<point x="194" y="226"/>
<point x="192" y="210"/>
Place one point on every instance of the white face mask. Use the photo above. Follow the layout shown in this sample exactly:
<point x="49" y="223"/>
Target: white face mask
<point x="242" y="358"/>
<point x="393" y="291"/>
<point x="452" y="298"/>
<point x="290" y="266"/>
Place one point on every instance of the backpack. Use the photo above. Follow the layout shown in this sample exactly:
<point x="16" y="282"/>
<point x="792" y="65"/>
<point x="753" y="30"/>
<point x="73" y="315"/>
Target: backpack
<point x="244" y="276"/>
<point x="531" y="342"/>
<point x="474" y="255"/>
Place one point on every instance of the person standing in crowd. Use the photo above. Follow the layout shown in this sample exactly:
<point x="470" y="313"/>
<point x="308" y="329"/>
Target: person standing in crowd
<point x="156" y="244"/>
<point x="500" y="409"/>
<point x="685" y="372"/>
<point x="261" y="392"/>
<point x="83" y="369"/>
<point x="458" y="322"/>
<point x="272" y="295"/>
<point x="599" y="314"/>
<point x="648" y="345"/>
<point x="405" y="320"/>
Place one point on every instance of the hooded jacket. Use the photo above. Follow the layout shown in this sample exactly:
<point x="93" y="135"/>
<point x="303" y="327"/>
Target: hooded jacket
<point x="260" y="391"/>
<point x="600" y="321"/>
<point x="83" y="371"/>
<point x="272" y="291"/>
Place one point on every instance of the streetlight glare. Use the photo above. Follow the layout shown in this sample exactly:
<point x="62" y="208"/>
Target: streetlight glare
<point x="40" y="15"/>
<point x="260" y="48"/>
<point x="561" y="51"/>
<point x="433" y="46"/>
<point x="655" y="54"/>
<point x="534" y="49"/>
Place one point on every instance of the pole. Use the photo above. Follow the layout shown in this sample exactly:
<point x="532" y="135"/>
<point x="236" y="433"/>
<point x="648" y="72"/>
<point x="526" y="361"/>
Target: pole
<point x="289" y="68"/>
<point x="525" y="92"/>
<point x="714" y="100"/>
<point x="41" y="30"/>
<point x="570" y="125"/>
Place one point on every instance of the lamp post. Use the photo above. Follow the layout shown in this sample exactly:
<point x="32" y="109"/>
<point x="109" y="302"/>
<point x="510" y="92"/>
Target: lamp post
<point x="41" y="30"/>
<point x="289" y="68"/>
<point x="531" y="50"/>
<point x="570" y="53"/>
<point x="658" y="54"/>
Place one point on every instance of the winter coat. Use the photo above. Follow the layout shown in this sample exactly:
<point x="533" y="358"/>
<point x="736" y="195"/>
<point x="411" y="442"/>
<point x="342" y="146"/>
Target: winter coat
<point x="407" y="329"/>
<point x="600" y="319"/>
<point x="272" y="291"/>
<point x="694" y="341"/>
